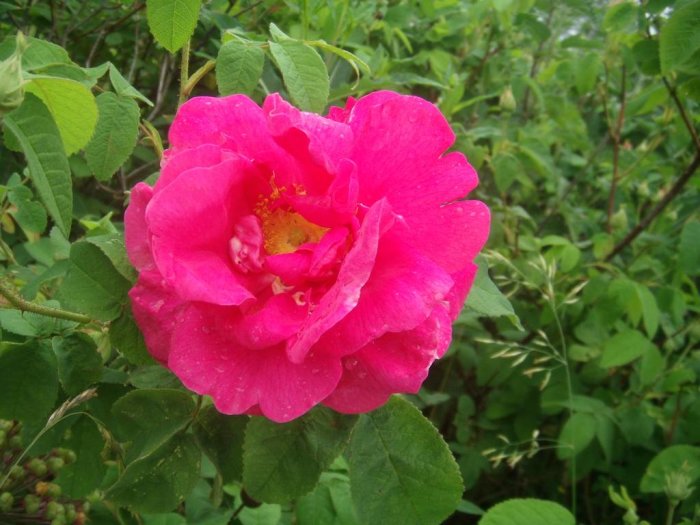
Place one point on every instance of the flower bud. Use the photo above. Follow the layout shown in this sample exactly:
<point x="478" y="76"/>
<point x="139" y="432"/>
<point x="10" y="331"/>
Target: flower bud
<point x="6" y="501"/>
<point x="32" y="502"/>
<point x="54" y="509"/>
<point x="55" y="464"/>
<point x="15" y="442"/>
<point x="11" y="81"/>
<point x="67" y="455"/>
<point x="678" y="487"/>
<point x="507" y="100"/>
<point x="37" y="467"/>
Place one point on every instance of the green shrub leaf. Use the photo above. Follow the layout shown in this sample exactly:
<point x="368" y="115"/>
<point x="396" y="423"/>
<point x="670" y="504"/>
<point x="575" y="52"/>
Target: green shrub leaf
<point x="172" y="22"/>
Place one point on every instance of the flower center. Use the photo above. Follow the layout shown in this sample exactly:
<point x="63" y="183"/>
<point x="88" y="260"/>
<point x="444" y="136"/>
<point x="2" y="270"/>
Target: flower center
<point x="284" y="231"/>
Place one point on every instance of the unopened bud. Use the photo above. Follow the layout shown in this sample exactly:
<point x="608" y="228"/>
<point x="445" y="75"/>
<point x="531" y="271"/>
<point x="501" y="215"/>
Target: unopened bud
<point x="678" y="487"/>
<point x="507" y="100"/>
<point x="11" y="80"/>
<point x="6" y="501"/>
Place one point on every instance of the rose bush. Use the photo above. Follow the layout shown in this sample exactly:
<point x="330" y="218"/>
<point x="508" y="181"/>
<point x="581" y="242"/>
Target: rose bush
<point x="287" y="259"/>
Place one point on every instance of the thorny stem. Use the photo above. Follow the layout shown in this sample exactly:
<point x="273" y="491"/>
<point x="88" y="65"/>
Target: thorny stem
<point x="27" y="306"/>
<point x="184" y="71"/>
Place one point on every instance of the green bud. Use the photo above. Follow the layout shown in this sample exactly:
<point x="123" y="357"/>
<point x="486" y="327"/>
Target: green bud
<point x="507" y="100"/>
<point x="59" y="520"/>
<point x="15" y="442"/>
<point x="6" y="501"/>
<point x="55" y="464"/>
<point x="17" y="473"/>
<point x="3" y="437"/>
<point x="678" y="487"/>
<point x="53" y="490"/>
<point x="54" y="509"/>
<point x="31" y="503"/>
<point x="11" y="81"/>
<point x="37" y="467"/>
<point x="67" y="455"/>
<point x="70" y="512"/>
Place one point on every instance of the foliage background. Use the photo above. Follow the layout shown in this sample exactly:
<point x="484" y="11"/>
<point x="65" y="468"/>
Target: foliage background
<point x="577" y="385"/>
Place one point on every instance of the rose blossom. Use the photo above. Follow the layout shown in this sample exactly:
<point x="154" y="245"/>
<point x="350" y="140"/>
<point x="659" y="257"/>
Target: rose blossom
<point x="287" y="259"/>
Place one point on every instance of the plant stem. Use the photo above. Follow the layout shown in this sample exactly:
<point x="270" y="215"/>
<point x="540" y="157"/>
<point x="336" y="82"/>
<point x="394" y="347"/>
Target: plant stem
<point x="671" y="512"/>
<point x="196" y="77"/>
<point x="184" y="71"/>
<point x="27" y="306"/>
<point x="615" y="135"/>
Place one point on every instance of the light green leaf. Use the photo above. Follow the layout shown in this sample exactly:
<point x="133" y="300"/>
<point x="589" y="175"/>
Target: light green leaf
<point x="238" y="67"/>
<point x="304" y="73"/>
<point x="527" y="512"/>
<point x="28" y="382"/>
<point x="587" y="69"/>
<point x="38" y="54"/>
<point x="401" y="470"/>
<point x="72" y="106"/>
<point x="650" y="310"/>
<point x="646" y="54"/>
<point x="93" y="286"/>
<point x="115" y="135"/>
<point x="689" y="248"/>
<point x="172" y="22"/>
<point x="623" y="348"/>
<point x="678" y="458"/>
<point x="576" y="434"/>
<point x="160" y="481"/>
<point x="148" y="418"/>
<point x="284" y="461"/>
<point x="123" y="88"/>
<point x="680" y="38"/>
<point x="79" y="363"/>
<point x="221" y="439"/>
<point x="33" y="127"/>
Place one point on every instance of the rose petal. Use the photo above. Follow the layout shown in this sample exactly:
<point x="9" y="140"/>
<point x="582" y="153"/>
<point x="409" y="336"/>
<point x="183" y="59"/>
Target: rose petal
<point x="136" y="235"/>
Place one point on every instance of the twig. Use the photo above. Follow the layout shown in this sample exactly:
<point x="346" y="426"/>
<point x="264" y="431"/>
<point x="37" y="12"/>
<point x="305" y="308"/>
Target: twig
<point x="686" y="120"/>
<point x="615" y="134"/>
<point x="164" y="80"/>
<point x="665" y="201"/>
<point x="184" y="72"/>
<point x="27" y="306"/>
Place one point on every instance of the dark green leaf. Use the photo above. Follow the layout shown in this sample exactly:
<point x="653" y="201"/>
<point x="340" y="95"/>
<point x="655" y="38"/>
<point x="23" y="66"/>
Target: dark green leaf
<point x="79" y="364"/>
<point x="401" y="470"/>
<point x="82" y="477"/>
<point x="148" y="418"/>
<point x="93" y="285"/>
<point x="284" y="461"/>
<point x="689" y="248"/>
<point x="160" y="481"/>
<point x="126" y="337"/>
<point x="221" y="438"/>
<point x="28" y="382"/>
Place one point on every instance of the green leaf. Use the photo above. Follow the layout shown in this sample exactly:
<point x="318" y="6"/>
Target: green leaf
<point x="160" y="481"/>
<point x="80" y="478"/>
<point x="148" y="418"/>
<point x="678" y="458"/>
<point x="330" y="503"/>
<point x="284" y="461"/>
<point x="486" y="299"/>
<point x="652" y="366"/>
<point x="620" y="17"/>
<point x="115" y="135"/>
<point x="401" y="470"/>
<point x="28" y="382"/>
<point x="93" y="286"/>
<point x="172" y="22"/>
<point x="576" y="434"/>
<point x="646" y="54"/>
<point x="650" y="310"/>
<point x="38" y="54"/>
<point x="72" y="106"/>
<point x="123" y="88"/>
<point x="587" y="69"/>
<point x="527" y="512"/>
<point x="112" y="245"/>
<point x="679" y="38"/>
<point x="304" y="73"/>
<point x="689" y="248"/>
<point x="623" y="348"/>
<point x="33" y="127"/>
<point x="239" y="66"/>
<point x="126" y="337"/>
<point x="221" y="439"/>
<point x="79" y="363"/>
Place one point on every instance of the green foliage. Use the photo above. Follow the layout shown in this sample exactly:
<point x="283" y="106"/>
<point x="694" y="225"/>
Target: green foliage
<point x="401" y="471"/>
<point x="573" y="372"/>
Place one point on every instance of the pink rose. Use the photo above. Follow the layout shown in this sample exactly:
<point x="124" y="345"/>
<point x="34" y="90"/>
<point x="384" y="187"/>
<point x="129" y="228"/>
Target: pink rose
<point x="287" y="259"/>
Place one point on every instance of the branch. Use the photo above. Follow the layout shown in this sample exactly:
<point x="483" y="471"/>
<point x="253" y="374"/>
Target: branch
<point x="27" y="306"/>
<point x="665" y="201"/>
<point x="615" y="135"/>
